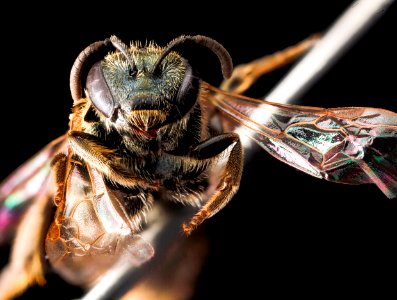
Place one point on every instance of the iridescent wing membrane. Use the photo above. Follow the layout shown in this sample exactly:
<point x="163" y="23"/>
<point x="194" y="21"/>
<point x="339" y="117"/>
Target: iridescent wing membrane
<point x="352" y="145"/>
<point x="28" y="182"/>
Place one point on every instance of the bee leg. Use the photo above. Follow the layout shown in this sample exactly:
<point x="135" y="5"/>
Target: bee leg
<point x="245" y="75"/>
<point x="60" y="169"/>
<point x="229" y="180"/>
<point x="104" y="159"/>
<point x="26" y="259"/>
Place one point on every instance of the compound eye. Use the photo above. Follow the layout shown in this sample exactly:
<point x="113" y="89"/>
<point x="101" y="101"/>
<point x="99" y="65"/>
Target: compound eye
<point x="99" y="92"/>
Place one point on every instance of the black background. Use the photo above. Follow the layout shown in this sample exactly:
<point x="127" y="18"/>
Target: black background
<point x="284" y="232"/>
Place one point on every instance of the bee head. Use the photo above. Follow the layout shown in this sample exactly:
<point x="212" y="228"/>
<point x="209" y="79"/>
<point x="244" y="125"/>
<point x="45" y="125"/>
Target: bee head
<point x="146" y="87"/>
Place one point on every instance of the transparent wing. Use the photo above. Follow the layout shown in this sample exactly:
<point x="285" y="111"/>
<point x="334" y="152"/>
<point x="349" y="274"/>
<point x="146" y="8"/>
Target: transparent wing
<point x="24" y="185"/>
<point x="353" y="145"/>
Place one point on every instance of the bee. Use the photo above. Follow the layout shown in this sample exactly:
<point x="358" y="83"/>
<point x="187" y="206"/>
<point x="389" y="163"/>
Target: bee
<point x="142" y="130"/>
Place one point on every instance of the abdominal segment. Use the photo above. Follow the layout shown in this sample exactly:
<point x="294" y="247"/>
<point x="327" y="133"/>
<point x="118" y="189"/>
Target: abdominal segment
<point x="92" y="230"/>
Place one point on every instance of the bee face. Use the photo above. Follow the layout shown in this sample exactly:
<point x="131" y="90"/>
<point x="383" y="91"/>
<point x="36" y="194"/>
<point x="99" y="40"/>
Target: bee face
<point x="131" y="87"/>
